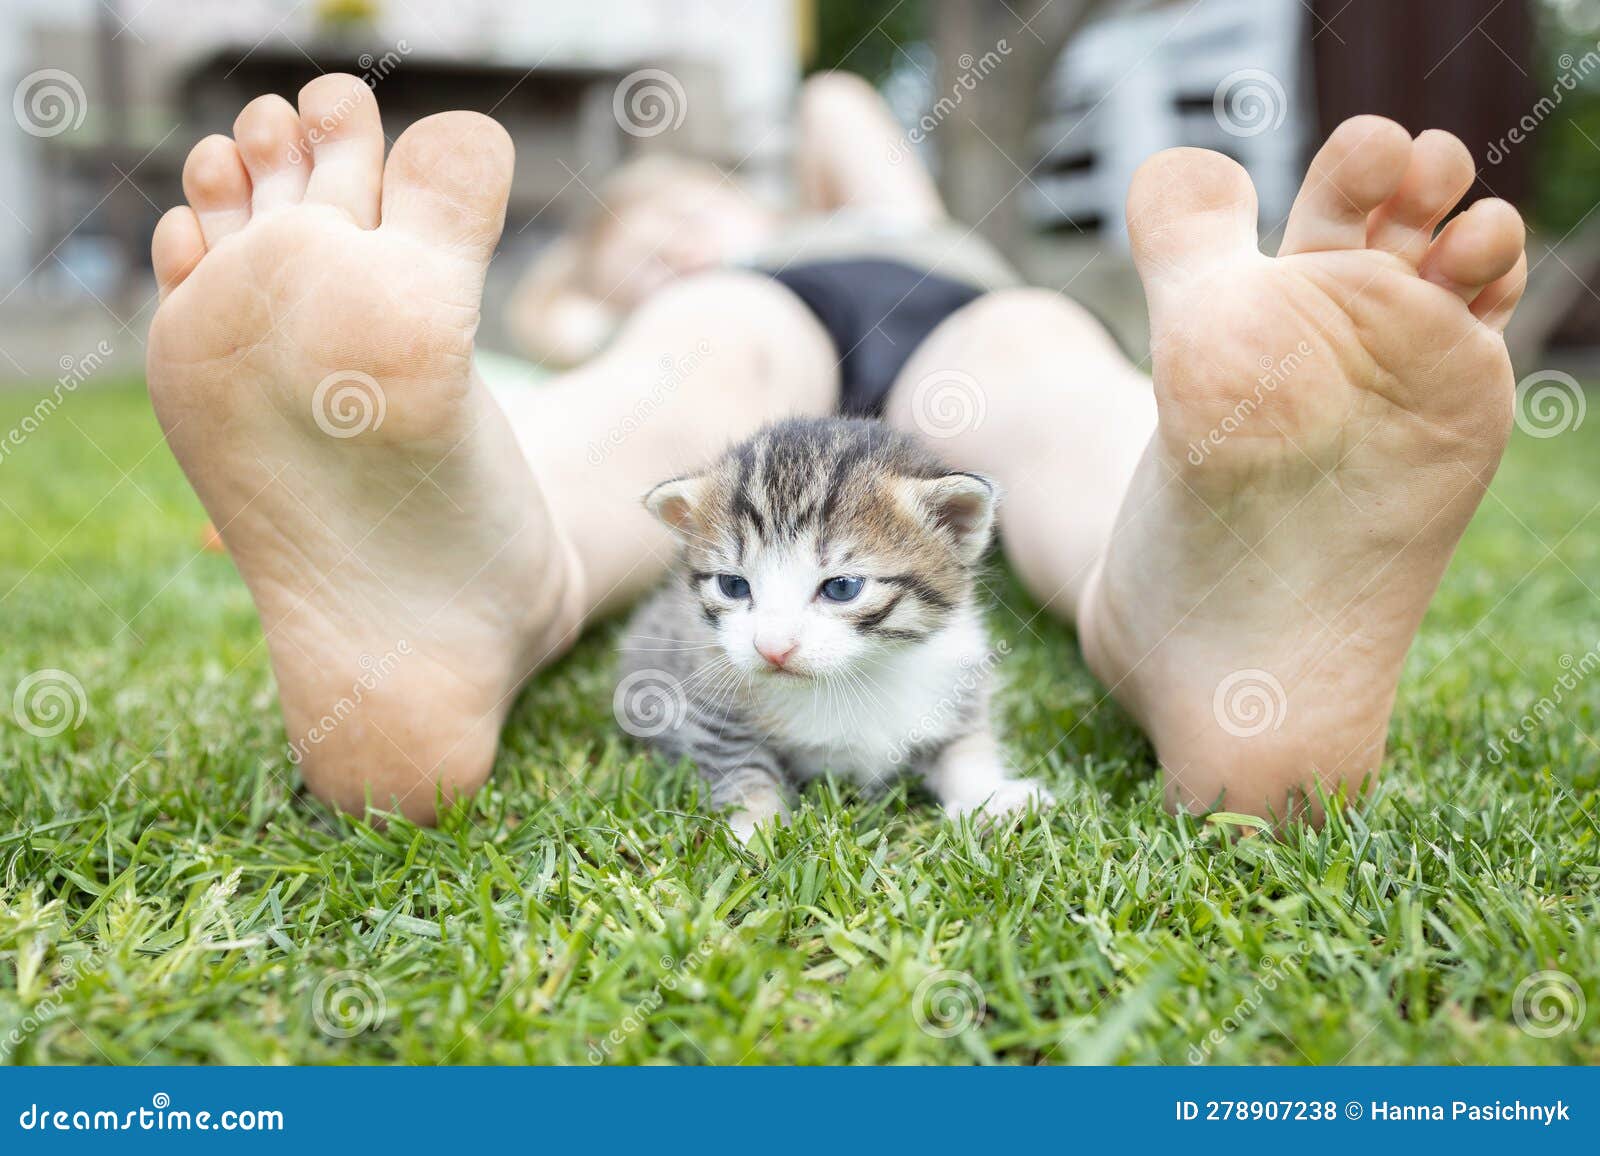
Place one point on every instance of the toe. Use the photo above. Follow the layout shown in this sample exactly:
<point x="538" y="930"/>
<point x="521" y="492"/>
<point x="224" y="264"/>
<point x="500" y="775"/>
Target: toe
<point x="1499" y="298"/>
<point x="1476" y="249"/>
<point x="1359" y="168"/>
<point x="217" y="187"/>
<point x="339" y="116"/>
<point x="447" y="182"/>
<point x="176" y="248"/>
<point x="1439" y="174"/>
<point x="1191" y="207"/>
<point x="274" y="152"/>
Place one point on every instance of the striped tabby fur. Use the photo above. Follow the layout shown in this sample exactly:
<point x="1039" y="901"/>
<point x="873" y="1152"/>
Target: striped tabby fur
<point x="821" y="618"/>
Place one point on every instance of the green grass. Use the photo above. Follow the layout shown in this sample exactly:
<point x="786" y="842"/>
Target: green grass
<point x="167" y="896"/>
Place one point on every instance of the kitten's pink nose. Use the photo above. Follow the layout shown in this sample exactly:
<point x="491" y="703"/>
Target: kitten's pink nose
<point x="777" y="653"/>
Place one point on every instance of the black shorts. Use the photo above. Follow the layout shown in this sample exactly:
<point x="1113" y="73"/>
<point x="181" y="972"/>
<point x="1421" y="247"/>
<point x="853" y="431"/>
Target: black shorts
<point x="876" y="312"/>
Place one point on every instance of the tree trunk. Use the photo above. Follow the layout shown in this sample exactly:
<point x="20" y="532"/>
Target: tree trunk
<point x="985" y="147"/>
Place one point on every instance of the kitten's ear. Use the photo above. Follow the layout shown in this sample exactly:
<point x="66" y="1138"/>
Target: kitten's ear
<point x="673" y="503"/>
<point x="962" y="505"/>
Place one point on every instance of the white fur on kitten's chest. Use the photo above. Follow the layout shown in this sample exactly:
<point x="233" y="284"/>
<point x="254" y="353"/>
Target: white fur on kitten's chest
<point x="866" y="727"/>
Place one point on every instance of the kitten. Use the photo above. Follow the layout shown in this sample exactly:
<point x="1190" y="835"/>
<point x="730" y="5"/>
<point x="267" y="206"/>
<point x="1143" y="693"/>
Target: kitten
<point x="821" y="618"/>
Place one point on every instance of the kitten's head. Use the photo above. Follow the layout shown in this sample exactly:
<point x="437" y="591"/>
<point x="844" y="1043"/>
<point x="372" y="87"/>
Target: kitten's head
<point x="820" y="543"/>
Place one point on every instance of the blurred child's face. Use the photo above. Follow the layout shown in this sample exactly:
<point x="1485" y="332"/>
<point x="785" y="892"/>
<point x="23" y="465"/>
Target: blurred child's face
<point x="686" y="227"/>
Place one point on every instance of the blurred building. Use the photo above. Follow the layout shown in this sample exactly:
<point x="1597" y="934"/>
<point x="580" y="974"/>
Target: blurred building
<point x="1228" y="75"/>
<point x="111" y="94"/>
<point x="1264" y="81"/>
<point x="1040" y="110"/>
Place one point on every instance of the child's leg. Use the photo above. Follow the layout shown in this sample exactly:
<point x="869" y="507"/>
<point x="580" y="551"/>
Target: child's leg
<point x="851" y="152"/>
<point x="1328" y="421"/>
<point x="700" y="365"/>
<point x="1025" y="386"/>
<point x="312" y="369"/>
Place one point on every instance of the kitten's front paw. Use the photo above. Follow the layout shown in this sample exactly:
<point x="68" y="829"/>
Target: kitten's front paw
<point x="1005" y="798"/>
<point x="744" y="824"/>
<point x="769" y="810"/>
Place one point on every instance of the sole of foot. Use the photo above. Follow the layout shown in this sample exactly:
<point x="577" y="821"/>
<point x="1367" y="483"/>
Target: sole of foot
<point x="311" y="366"/>
<point x="1329" y="420"/>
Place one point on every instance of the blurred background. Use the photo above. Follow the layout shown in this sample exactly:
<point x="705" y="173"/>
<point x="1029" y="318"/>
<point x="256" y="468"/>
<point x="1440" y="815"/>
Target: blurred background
<point x="1033" y="114"/>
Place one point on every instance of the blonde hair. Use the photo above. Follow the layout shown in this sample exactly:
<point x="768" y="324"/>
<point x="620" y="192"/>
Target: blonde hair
<point x="556" y="313"/>
<point x="634" y="185"/>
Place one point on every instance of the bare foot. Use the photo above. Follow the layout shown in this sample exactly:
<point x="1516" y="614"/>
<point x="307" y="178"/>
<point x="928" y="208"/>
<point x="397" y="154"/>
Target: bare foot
<point x="312" y="369"/>
<point x="1329" y="420"/>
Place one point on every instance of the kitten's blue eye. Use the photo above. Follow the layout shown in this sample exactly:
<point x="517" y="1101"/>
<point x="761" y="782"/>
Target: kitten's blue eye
<point x="842" y="589"/>
<point x="733" y="586"/>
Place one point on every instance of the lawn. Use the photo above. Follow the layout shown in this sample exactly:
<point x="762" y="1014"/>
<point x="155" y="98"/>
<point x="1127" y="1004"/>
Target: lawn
<point x="167" y="895"/>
